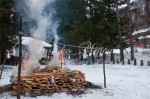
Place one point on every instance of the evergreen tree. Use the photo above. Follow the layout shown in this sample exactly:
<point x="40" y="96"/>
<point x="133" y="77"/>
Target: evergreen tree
<point x="95" y="21"/>
<point x="89" y="20"/>
<point x="67" y="11"/>
<point x="7" y="25"/>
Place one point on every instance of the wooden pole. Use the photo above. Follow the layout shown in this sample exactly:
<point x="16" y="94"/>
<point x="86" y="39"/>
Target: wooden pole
<point x="62" y="56"/>
<point x="148" y="63"/>
<point x="0" y="54"/>
<point x="3" y="65"/>
<point x="104" y="57"/>
<point x="20" y="59"/>
<point x="142" y="63"/>
<point x="61" y="60"/>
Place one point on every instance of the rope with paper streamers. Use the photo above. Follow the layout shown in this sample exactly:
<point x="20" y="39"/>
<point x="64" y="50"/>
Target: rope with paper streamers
<point x="91" y="47"/>
<point x="88" y="48"/>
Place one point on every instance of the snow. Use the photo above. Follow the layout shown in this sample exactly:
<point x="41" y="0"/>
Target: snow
<point x="141" y="54"/>
<point x="141" y="30"/>
<point x="5" y="76"/>
<point x="123" y="81"/>
<point x="142" y="37"/>
<point x="116" y="51"/>
<point x="29" y="40"/>
<point x="148" y="36"/>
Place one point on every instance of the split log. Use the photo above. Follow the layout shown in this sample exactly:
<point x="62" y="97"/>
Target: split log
<point x="50" y="80"/>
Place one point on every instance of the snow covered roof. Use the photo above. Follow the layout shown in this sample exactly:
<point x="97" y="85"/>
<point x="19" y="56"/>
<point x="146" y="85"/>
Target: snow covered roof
<point x="142" y="37"/>
<point x="140" y="31"/>
<point x="29" y="40"/>
<point x="148" y="36"/>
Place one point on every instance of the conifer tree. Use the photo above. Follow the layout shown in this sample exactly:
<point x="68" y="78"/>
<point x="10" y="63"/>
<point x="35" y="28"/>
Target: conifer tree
<point x="7" y="25"/>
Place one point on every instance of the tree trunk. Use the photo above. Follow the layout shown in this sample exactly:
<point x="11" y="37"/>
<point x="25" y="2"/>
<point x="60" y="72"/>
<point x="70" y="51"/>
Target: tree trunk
<point x="144" y="42"/>
<point x="120" y="35"/>
<point x="0" y="56"/>
<point x="129" y="29"/>
<point x="111" y="47"/>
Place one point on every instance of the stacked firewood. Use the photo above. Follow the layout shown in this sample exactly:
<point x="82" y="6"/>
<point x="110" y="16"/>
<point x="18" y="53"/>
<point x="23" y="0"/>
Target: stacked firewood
<point x="51" y="79"/>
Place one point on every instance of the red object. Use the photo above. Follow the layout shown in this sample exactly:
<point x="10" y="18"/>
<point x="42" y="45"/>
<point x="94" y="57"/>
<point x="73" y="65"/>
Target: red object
<point x="62" y="61"/>
<point x="140" y="46"/>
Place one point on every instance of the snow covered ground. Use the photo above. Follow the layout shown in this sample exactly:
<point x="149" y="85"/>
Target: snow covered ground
<point x="123" y="82"/>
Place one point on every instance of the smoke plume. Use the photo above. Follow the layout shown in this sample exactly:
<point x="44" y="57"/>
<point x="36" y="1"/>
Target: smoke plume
<point x="38" y="17"/>
<point x="38" y="20"/>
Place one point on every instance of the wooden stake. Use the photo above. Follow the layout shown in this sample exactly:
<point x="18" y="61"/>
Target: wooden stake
<point x="123" y="62"/>
<point x="3" y="65"/>
<point x="61" y="60"/>
<point x="129" y="61"/>
<point x="135" y="63"/>
<point x="20" y="59"/>
<point x="148" y="63"/>
<point x="104" y="57"/>
<point x="142" y="63"/>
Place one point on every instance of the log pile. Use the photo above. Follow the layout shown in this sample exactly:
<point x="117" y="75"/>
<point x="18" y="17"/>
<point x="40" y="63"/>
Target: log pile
<point x="51" y="79"/>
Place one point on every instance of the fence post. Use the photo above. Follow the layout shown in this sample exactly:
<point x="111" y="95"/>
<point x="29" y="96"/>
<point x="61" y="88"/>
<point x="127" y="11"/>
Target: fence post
<point x="88" y="59"/>
<point x="129" y="61"/>
<point x="2" y="67"/>
<point x="104" y="57"/>
<point x="148" y="63"/>
<point x="135" y="63"/>
<point x="123" y="62"/>
<point x="113" y="61"/>
<point x="117" y="61"/>
<point x="142" y="63"/>
<point x="112" y="56"/>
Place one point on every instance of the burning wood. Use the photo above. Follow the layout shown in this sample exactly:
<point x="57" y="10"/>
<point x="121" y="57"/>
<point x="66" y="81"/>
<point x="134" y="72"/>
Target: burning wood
<point x="51" y="79"/>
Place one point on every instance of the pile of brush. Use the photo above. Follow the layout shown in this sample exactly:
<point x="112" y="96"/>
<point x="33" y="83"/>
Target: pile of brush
<point x="50" y="80"/>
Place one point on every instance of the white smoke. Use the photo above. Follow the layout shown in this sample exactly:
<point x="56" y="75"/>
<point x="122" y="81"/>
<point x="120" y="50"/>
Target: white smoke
<point x="43" y="15"/>
<point x="44" y="20"/>
<point x="56" y="54"/>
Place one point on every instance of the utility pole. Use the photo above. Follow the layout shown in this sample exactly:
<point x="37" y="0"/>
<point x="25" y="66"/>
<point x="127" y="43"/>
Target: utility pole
<point x="120" y="34"/>
<point x="130" y="30"/>
<point x="20" y="59"/>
